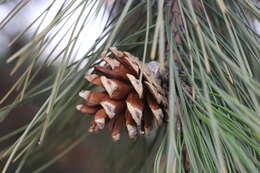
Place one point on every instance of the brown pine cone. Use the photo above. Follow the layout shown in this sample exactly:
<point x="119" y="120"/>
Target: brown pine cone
<point x="125" y="102"/>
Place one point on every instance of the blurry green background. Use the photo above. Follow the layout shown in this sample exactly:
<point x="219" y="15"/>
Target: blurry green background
<point x="94" y="154"/>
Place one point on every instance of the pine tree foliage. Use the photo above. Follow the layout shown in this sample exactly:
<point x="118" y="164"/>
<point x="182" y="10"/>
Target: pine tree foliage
<point x="210" y="45"/>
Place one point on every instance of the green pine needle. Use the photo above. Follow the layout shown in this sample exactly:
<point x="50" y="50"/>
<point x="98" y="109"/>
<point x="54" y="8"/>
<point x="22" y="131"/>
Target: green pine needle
<point x="215" y="126"/>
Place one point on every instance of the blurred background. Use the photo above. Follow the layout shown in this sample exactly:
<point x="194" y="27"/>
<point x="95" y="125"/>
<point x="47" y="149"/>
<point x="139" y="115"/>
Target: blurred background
<point x="92" y="155"/>
<point x="84" y="157"/>
<point x="89" y="155"/>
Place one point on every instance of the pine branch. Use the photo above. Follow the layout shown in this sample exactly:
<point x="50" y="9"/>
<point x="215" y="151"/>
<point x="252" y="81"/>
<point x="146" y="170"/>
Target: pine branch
<point x="211" y="54"/>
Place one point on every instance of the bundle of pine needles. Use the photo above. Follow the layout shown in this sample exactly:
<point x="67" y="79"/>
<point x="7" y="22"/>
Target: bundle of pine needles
<point x="210" y="45"/>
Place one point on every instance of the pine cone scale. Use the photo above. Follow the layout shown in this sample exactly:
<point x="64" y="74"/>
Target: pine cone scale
<point x="156" y="110"/>
<point x="87" y="109"/>
<point x="130" y="124"/>
<point x="135" y="107"/>
<point x="136" y="84"/>
<point x="115" y="88"/>
<point x="94" y="79"/>
<point x="112" y="107"/>
<point x="99" y="118"/>
<point x="92" y="98"/>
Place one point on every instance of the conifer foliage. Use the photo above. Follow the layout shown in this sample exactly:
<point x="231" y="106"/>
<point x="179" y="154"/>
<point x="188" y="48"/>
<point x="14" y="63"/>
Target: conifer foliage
<point x="202" y="111"/>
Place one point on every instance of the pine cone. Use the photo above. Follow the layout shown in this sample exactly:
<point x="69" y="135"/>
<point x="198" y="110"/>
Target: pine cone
<point x="126" y="101"/>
